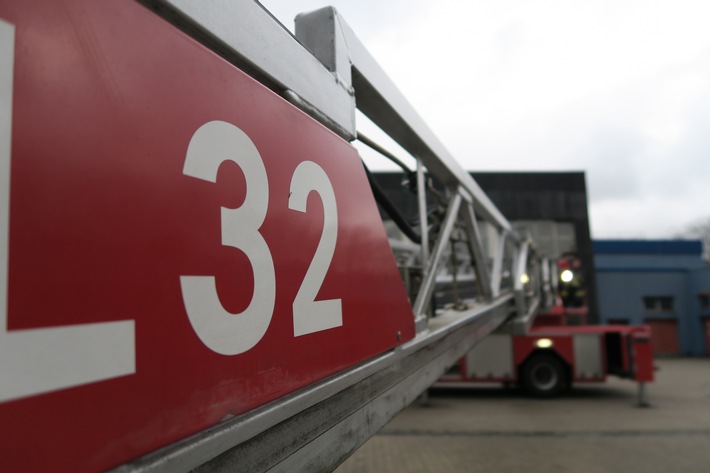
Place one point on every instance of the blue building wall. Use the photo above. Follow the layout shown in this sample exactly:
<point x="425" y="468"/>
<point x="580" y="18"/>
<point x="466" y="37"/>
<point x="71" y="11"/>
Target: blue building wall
<point x="630" y="270"/>
<point x="700" y="285"/>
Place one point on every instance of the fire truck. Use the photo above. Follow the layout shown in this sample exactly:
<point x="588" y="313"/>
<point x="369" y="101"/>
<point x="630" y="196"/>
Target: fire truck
<point x="549" y="353"/>
<point x="194" y="275"/>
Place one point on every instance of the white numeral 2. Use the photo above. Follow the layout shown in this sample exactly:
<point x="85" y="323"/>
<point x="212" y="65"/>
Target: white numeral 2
<point x="310" y="315"/>
<point x="232" y="334"/>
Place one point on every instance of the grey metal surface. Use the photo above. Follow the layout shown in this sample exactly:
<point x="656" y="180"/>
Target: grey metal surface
<point x="492" y="358"/>
<point x="244" y="33"/>
<point x="422" y="207"/>
<point x="520" y="325"/>
<point x="497" y="271"/>
<point x="520" y="262"/>
<point x="442" y="241"/>
<point x="642" y="396"/>
<point x="322" y="32"/>
<point x="476" y="248"/>
<point x="588" y="358"/>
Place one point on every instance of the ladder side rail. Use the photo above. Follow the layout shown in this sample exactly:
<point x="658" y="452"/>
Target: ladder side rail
<point x="245" y="34"/>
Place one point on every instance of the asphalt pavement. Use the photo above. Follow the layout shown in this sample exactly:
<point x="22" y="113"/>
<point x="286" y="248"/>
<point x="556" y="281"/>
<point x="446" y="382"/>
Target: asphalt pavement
<point x="593" y="428"/>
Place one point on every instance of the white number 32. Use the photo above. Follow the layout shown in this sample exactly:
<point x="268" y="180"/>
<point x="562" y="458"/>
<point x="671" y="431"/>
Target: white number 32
<point x="232" y="334"/>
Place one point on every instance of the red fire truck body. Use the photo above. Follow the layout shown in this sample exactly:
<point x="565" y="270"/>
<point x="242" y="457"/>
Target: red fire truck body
<point x="546" y="359"/>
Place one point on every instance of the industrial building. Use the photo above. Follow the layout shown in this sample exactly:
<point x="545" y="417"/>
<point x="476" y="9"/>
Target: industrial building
<point x="662" y="283"/>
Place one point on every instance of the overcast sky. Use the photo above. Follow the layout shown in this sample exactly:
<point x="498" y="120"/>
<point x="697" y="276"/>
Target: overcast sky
<point x="619" y="89"/>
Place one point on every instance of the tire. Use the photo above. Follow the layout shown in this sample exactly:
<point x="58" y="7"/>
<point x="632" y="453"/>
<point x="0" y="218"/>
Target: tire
<point x="543" y="375"/>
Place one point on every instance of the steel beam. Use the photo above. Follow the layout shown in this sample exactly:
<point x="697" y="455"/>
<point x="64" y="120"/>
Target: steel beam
<point x="423" y="222"/>
<point x="427" y="287"/>
<point x="497" y="271"/>
<point x="476" y="248"/>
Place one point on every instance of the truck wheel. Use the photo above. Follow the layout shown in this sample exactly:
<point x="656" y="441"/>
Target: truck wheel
<point x="543" y="376"/>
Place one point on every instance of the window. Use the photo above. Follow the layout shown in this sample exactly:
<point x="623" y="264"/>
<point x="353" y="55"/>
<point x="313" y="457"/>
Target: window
<point x="658" y="303"/>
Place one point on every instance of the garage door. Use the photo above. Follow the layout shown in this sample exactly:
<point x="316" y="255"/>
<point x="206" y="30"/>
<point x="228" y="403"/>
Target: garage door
<point x="664" y="336"/>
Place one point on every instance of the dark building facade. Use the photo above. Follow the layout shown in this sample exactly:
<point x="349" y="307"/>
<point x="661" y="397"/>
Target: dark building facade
<point x="553" y="207"/>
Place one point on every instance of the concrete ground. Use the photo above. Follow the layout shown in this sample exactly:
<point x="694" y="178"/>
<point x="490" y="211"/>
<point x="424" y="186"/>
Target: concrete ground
<point x="593" y="428"/>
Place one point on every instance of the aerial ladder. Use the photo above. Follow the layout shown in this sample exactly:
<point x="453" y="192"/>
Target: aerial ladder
<point x="194" y="274"/>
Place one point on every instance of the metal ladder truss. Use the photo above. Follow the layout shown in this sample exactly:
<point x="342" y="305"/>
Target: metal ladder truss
<point x="327" y="72"/>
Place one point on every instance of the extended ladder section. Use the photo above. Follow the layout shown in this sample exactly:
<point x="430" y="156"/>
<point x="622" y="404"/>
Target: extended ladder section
<point x="328" y="73"/>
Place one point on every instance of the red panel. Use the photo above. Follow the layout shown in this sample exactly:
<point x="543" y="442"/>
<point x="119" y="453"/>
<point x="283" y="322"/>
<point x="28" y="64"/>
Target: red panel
<point x="624" y="329"/>
<point x="643" y="354"/>
<point x="559" y="316"/>
<point x="664" y="336"/>
<point x="104" y="222"/>
<point x="550" y="320"/>
<point x="625" y="353"/>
